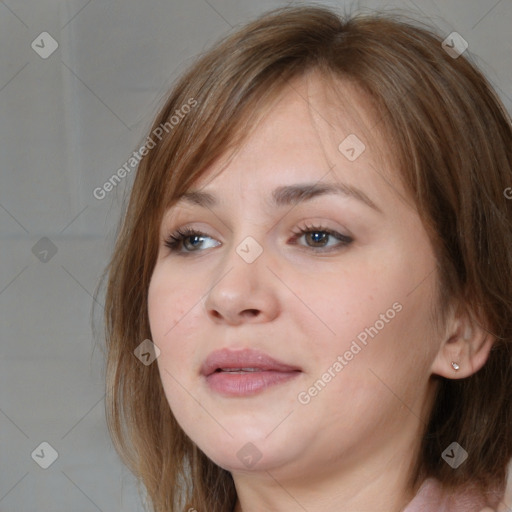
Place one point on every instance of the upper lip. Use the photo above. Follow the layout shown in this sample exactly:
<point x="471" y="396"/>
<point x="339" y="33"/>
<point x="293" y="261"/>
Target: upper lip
<point x="245" y="358"/>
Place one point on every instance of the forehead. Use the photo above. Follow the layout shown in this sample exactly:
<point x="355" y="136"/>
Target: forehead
<point x="316" y="129"/>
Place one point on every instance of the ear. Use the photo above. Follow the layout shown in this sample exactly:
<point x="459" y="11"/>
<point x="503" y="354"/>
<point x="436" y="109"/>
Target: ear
<point x="465" y="346"/>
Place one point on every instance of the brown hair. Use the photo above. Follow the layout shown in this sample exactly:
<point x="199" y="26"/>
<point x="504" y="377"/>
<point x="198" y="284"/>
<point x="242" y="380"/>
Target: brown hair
<point x="453" y="140"/>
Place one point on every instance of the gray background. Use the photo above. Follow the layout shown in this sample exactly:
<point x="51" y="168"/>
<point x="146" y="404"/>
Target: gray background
<point x="67" y="123"/>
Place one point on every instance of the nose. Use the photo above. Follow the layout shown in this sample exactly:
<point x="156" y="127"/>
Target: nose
<point x="243" y="292"/>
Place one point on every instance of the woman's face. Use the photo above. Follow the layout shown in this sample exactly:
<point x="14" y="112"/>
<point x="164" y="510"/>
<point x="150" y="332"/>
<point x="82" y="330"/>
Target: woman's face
<point x="298" y="353"/>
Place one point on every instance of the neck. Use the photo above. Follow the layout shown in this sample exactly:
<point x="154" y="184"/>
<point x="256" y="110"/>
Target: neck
<point x="384" y="487"/>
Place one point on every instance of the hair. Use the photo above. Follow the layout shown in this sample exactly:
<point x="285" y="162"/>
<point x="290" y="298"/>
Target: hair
<point x="453" y="152"/>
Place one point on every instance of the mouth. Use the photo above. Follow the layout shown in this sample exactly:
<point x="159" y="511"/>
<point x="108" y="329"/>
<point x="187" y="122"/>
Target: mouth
<point x="245" y="372"/>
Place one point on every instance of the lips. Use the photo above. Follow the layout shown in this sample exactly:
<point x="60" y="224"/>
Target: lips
<point x="243" y="360"/>
<point x="244" y="372"/>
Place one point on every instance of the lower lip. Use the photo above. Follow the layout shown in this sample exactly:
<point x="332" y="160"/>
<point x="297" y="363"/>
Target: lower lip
<point x="248" y="383"/>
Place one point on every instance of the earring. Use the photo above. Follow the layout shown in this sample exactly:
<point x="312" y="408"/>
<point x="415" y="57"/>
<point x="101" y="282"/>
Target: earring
<point x="455" y="366"/>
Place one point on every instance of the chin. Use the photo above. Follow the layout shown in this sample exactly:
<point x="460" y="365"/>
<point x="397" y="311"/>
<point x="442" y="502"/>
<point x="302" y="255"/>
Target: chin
<point x="251" y="449"/>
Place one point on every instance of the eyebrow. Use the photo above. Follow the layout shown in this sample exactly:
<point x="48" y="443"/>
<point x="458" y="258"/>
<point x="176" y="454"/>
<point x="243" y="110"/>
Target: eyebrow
<point x="289" y="195"/>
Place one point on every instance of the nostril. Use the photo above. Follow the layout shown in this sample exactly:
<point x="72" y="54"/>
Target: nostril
<point x="236" y="316"/>
<point x="251" y="312"/>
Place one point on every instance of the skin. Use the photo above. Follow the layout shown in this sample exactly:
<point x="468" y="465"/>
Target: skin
<point x="352" y="447"/>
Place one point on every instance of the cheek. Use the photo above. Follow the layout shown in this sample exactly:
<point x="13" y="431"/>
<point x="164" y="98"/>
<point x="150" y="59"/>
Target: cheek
<point x="173" y="308"/>
<point x="335" y="307"/>
<point x="173" y="311"/>
<point x="376" y="304"/>
<point x="387" y="358"/>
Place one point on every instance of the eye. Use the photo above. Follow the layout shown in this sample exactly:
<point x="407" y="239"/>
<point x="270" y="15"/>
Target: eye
<point x="321" y="237"/>
<point x="187" y="238"/>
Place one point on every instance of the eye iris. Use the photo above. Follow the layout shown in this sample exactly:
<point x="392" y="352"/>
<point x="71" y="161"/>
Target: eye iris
<point x="197" y="240"/>
<point x="318" y="237"/>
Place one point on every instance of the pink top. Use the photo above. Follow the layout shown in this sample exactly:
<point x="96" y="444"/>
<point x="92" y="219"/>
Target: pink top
<point x="432" y="498"/>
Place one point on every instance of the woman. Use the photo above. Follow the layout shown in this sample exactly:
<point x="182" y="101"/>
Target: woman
<point x="317" y="258"/>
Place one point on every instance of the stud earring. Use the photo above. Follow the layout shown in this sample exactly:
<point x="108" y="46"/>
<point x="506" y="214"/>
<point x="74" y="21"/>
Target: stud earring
<point x="455" y="366"/>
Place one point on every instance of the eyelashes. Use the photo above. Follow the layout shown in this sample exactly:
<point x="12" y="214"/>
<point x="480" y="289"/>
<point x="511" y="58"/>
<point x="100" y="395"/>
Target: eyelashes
<point x="343" y="240"/>
<point x="176" y="240"/>
<point x="185" y="241"/>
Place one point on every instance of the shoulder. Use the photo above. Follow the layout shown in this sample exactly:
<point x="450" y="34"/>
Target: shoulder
<point x="431" y="497"/>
